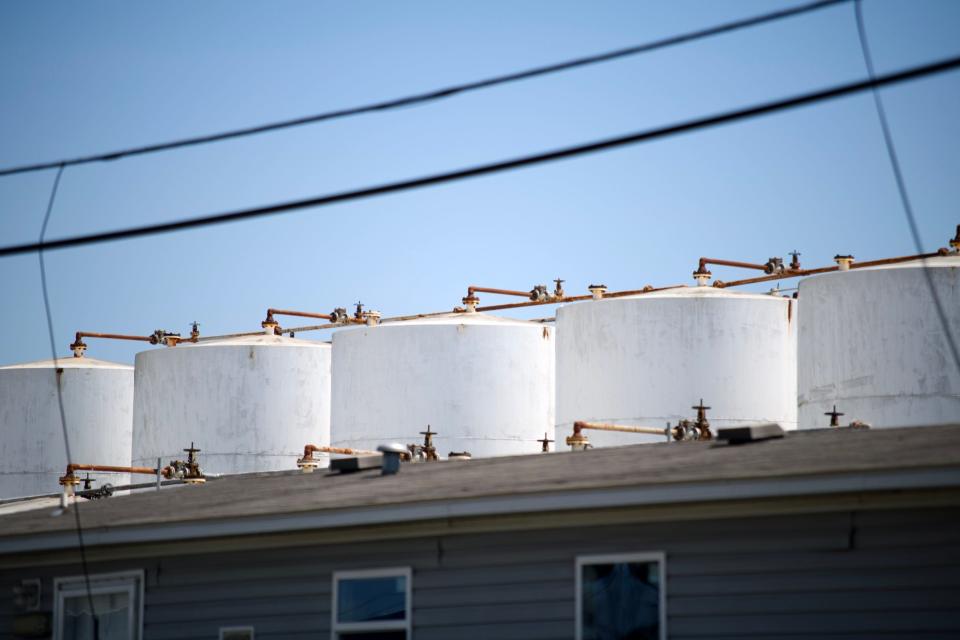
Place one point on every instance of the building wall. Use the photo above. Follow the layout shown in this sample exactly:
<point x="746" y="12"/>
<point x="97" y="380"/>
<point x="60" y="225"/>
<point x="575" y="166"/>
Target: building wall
<point x="864" y="574"/>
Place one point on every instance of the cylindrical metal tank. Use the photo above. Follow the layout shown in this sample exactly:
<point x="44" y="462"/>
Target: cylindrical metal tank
<point x="98" y="407"/>
<point x="645" y="360"/>
<point x="248" y="403"/>
<point x="484" y="384"/>
<point x="872" y="344"/>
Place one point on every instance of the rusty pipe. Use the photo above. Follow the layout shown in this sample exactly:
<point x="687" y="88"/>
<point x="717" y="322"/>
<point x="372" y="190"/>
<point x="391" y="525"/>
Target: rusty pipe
<point x="114" y="336"/>
<point x="103" y="467"/>
<point x="729" y="263"/>
<point x="615" y="294"/>
<point x="794" y="273"/>
<point x="299" y="314"/>
<point x="602" y="426"/>
<point x="79" y="346"/>
<point x="310" y="449"/>
<point x="69" y="478"/>
<point x="473" y="289"/>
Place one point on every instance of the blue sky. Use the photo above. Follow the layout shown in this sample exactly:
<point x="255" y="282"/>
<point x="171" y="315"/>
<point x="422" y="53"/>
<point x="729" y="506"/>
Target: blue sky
<point x="80" y="78"/>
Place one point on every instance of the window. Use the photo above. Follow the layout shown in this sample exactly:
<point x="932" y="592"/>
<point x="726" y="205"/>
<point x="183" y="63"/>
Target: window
<point x="621" y="597"/>
<point x="117" y="600"/>
<point x="372" y="604"/>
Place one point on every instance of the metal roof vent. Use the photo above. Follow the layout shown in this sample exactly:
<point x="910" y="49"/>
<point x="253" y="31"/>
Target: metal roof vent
<point x="356" y="463"/>
<point x="750" y="433"/>
<point x="391" y="457"/>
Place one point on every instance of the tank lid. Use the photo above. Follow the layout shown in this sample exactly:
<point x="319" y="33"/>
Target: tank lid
<point x="259" y="339"/>
<point x="69" y="362"/>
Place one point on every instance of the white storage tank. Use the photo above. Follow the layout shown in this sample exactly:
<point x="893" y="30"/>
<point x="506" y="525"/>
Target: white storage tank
<point x="646" y="360"/>
<point x="98" y="405"/>
<point x="484" y="384"/>
<point x="871" y="343"/>
<point x="248" y="403"/>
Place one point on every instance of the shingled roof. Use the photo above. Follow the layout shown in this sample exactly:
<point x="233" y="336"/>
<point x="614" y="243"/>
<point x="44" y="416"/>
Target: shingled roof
<point x="818" y="461"/>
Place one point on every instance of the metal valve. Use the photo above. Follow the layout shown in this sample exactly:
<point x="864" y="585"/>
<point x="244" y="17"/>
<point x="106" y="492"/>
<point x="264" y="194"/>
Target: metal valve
<point x="773" y="265"/>
<point x="539" y="293"/>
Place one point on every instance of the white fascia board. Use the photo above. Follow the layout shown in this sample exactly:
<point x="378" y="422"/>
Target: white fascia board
<point x="552" y="501"/>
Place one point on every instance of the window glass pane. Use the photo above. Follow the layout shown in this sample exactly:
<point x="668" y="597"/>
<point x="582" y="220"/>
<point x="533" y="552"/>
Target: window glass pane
<point x="621" y="601"/>
<point x="371" y="599"/>
<point x="113" y="617"/>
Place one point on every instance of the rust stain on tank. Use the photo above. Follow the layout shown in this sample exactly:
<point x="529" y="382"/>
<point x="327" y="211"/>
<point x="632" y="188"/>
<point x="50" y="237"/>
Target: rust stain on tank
<point x="546" y="333"/>
<point x="789" y="311"/>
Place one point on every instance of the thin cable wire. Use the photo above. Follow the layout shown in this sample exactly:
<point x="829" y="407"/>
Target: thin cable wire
<point x="902" y="185"/>
<point x="496" y="167"/>
<point x="58" y="381"/>
<point x="437" y="94"/>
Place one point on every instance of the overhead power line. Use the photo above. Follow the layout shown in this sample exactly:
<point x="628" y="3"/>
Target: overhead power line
<point x="912" y="73"/>
<point x="436" y="94"/>
<point x="902" y="186"/>
<point x="56" y="372"/>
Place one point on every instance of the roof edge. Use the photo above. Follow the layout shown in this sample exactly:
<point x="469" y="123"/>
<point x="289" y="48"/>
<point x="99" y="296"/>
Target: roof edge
<point x="554" y="501"/>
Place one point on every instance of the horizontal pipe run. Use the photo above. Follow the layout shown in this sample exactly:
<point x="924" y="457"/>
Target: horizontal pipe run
<point x="113" y="336"/>
<point x="601" y="426"/>
<point x="310" y="449"/>
<point x="148" y="471"/>
<point x="226" y="336"/>
<point x="730" y="263"/>
<point x="311" y="327"/>
<point x="615" y="294"/>
<point x="299" y="314"/>
<point x="472" y="289"/>
<point x="810" y="272"/>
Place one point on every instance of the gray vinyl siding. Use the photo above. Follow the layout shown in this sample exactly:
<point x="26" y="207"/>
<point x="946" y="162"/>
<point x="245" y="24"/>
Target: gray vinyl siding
<point x="869" y="574"/>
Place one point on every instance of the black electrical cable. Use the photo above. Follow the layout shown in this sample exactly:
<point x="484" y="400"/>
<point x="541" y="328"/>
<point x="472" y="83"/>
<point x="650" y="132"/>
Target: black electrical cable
<point x="902" y="185"/>
<point x="436" y="94"/>
<point x="58" y="381"/>
<point x="496" y="167"/>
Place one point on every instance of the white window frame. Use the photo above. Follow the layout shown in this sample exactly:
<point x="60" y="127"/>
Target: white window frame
<point x="336" y="628"/>
<point x="129" y="582"/>
<point x="650" y="556"/>
<point x="225" y="630"/>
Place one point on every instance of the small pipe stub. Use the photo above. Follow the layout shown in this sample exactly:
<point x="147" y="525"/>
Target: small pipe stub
<point x="371" y="318"/>
<point x="955" y="241"/>
<point x="578" y="441"/>
<point x="843" y="262"/>
<point x="471" y="302"/>
<point x="308" y="465"/>
<point x="597" y="290"/>
<point x="702" y="276"/>
<point x="78" y="347"/>
<point x="459" y="455"/>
